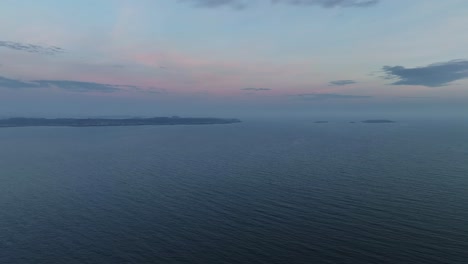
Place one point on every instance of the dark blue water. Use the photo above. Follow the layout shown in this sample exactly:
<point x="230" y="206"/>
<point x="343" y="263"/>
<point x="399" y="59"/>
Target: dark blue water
<point x="256" y="192"/>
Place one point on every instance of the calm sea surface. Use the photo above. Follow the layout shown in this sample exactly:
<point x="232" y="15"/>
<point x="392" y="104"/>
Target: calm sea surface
<point x="255" y="192"/>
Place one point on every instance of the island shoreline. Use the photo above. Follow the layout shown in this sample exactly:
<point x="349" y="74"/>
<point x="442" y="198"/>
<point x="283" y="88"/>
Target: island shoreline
<point x="111" y="122"/>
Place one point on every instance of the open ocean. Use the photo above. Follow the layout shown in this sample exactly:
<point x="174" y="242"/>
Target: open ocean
<point x="255" y="192"/>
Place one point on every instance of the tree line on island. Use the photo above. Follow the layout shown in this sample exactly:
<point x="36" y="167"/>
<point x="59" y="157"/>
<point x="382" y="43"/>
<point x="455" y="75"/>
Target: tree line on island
<point x="86" y="122"/>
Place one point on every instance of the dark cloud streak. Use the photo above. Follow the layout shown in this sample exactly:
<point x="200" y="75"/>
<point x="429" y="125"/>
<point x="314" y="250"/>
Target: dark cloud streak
<point x="341" y="82"/>
<point x="330" y="3"/>
<point x="329" y="96"/>
<point x="45" y="50"/>
<point x="74" y="86"/>
<point x="12" y="83"/>
<point x="256" y="89"/>
<point x="241" y="4"/>
<point x="433" y="75"/>
<point x="237" y="4"/>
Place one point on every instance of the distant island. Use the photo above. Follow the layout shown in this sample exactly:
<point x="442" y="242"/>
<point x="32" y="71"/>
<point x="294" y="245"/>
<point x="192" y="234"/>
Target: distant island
<point x="101" y="122"/>
<point x="378" y="121"/>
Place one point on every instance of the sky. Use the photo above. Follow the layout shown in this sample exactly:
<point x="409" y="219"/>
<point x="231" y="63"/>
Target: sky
<point x="233" y="57"/>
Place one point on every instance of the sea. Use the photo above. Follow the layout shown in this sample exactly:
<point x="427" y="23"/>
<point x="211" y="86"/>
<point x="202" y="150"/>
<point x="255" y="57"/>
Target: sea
<point x="260" y="191"/>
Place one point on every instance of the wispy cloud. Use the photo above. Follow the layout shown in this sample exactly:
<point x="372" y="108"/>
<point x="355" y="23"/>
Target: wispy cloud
<point x="12" y="83"/>
<point x="240" y="4"/>
<point x="341" y="82"/>
<point x="136" y="88"/>
<point x="45" y="50"/>
<point x="416" y="97"/>
<point x="328" y="96"/>
<point x="433" y="75"/>
<point x="330" y="3"/>
<point x="75" y="86"/>
<point x="256" y="89"/>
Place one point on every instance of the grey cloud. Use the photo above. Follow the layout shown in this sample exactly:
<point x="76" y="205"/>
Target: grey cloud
<point x="342" y="82"/>
<point x="149" y="90"/>
<point x="330" y="3"/>
<point x="240" y="4"/>
<point x="433" y="75"/>
<point x="127" y="86"/>
<point x="256" y="89"/>
<point x="74" y="86"/>
<point x="12" y="83"/>
<point x="329" y="96"/>
<point x="45" y="50"/>
<point x="416" y="97"/>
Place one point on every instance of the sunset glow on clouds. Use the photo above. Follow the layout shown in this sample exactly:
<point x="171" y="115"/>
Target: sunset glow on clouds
<point x="194" y="53"/>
